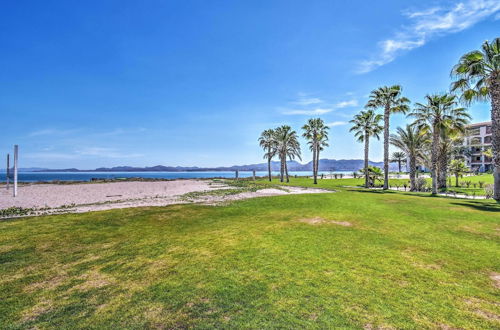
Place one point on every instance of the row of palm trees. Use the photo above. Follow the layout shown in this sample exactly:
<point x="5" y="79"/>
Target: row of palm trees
<point x="438" y="122"/>
<point x="435" y="120"/>
<point x="282" y="142"/>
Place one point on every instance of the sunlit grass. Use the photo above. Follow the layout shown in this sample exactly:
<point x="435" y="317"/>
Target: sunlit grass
<point x="406" y="261"/>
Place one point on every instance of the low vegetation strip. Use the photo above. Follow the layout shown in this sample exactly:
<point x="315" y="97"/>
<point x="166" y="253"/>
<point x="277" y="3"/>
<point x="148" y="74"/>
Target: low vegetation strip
<point x="404" y="261"/>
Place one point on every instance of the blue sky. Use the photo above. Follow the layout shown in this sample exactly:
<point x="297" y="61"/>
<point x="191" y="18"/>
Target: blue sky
<point x="104" y="83"/>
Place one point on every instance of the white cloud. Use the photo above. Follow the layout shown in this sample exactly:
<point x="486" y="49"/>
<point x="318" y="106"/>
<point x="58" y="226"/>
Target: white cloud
<point x="336" y="123"/>
<point x="311" y="112"/>
<point x="345" y="104"/>
<point x="81" y="154"/>
<point x="316" y="111"/>
<point x="308" y="101"/>
<point x="51" y="131"/>
<point x="428" y="24"/>
<point x="105" y="152"/>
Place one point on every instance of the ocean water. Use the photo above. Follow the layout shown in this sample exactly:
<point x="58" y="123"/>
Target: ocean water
<point x="87" y="176"/>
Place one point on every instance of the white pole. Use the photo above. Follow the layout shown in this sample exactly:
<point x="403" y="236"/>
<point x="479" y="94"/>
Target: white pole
<point x="16" y="149"/>
<point x="8" y="170"/>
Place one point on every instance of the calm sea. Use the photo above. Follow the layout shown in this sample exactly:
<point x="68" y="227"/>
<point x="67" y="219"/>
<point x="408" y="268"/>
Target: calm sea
<point x="87" y="176"/>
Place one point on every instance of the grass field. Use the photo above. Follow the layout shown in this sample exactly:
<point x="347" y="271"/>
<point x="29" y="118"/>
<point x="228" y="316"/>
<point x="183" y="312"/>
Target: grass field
<point x="405" y="261"/>
<point x="334" y="184"/>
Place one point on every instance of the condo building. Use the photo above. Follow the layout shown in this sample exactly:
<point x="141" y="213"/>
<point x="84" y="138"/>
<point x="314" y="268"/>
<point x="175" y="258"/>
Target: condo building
<point x="478" y="140"/>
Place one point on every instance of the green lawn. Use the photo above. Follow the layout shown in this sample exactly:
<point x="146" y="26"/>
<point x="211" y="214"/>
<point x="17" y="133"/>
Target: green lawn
<point x="334" y="184"/>
<point x="407" y="261"/>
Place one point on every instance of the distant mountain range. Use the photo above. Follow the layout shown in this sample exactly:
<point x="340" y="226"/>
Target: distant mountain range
<point x="324" y="165"/>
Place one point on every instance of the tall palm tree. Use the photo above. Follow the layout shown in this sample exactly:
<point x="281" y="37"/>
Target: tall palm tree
<point x="478" y="79"/>
<point x="365" y="125"/>
<point x="287" y="147"/>
<point x="398" y="157"/>
<point x="440" y="112"/>
<point x="412" y="143"/>
<point x="316" y="134"/>
<point x="390" y="99"/>
<point x="268" y="142"/>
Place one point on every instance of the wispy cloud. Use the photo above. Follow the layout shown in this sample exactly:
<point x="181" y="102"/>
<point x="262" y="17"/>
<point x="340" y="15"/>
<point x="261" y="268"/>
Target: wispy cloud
<point x="428" y="24"/>
<point x="51" y="131"/>
<point x="310" y="112"/>
<point x="345" y="104"/>
<point x="308" y="101"/>
<point x="315" y="106"/>
<point x="106" y="152"/>
<point x="82" y="153"/>
<point x="337" y="123"/>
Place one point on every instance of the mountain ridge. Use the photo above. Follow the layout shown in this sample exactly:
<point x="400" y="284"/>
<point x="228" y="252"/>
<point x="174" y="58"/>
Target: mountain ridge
<point x="324" y="165"/>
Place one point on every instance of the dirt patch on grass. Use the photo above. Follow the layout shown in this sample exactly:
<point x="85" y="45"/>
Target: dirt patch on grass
<point x="487" y="315"/>
<point x="495" y="277"/>
<point x="92" y="280"/>
<point x="477" y="307"/>
<point x="49" y="284"/>
<point x="37" y="310"/>
<point x="319" y="221"/>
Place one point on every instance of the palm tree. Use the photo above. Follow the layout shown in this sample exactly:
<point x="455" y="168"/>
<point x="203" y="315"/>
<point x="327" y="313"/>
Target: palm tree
<point x="450" y="140"/>
<point x="316" y="133"/>
<point x="412" y="143"/>
<point x="478" y="79"/>
<point x="398" y="157"/>
<point x="366" y="124"/>
<point x="440" y="112"/>
<point x="268" y="143"/>
<point x="390" y="99"/>
<point x="287" y="147"/>
<point x="458" y="167"/>
<point x="374" y="174"/>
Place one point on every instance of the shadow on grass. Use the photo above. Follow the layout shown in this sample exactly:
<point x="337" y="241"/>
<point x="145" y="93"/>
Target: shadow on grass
<point x="482" y="205"/>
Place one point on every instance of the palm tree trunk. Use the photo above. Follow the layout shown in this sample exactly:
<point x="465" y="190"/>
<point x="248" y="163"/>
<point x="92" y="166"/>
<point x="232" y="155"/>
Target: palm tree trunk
<point x="317" y="162"/>
<point x="442" y="169"/>
<point x="386" y="146"/>
<point x="282" y="168"/>
<point x="399" y="165"/>
<point x="315" y="175"/>
<point x="456" y="179"/>
<point x="413" y="166"/>
<point x="434" y="159"/>
<point x="286" y="171"/>
<point x="495" y="131"/>
<point x="269" y="165"/>
<point x="367" y="147"/>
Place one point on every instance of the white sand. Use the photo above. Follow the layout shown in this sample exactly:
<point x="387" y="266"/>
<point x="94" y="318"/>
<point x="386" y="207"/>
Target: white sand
<point x="102" y="196"/>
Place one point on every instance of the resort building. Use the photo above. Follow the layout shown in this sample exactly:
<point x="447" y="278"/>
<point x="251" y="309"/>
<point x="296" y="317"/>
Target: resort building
<point x="478" y="140"/>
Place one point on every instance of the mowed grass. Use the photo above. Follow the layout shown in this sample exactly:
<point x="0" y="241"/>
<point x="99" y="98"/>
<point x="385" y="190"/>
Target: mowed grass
<point x="406" y="261"/>
<point x="334" y="184"/>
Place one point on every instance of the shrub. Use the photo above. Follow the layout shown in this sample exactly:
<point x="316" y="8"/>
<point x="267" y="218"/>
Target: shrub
<point x="481" y="184"/>
<point x="420" y="184"/>
<point x="488" y="190"/>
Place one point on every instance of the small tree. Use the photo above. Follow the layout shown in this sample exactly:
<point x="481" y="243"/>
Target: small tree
<point x="458" y="167"/>
<point x="398" y="157"/>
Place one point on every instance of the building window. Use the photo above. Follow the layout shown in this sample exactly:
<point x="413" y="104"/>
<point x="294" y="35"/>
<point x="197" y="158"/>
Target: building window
<point x="476" y="140"/>
<point x="473" y="131"/>
<point x="487" y="139"/>
<point x="488" y="129"/>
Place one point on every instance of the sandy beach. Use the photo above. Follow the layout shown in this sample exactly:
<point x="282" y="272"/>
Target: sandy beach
<point x="58" y="198"/>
